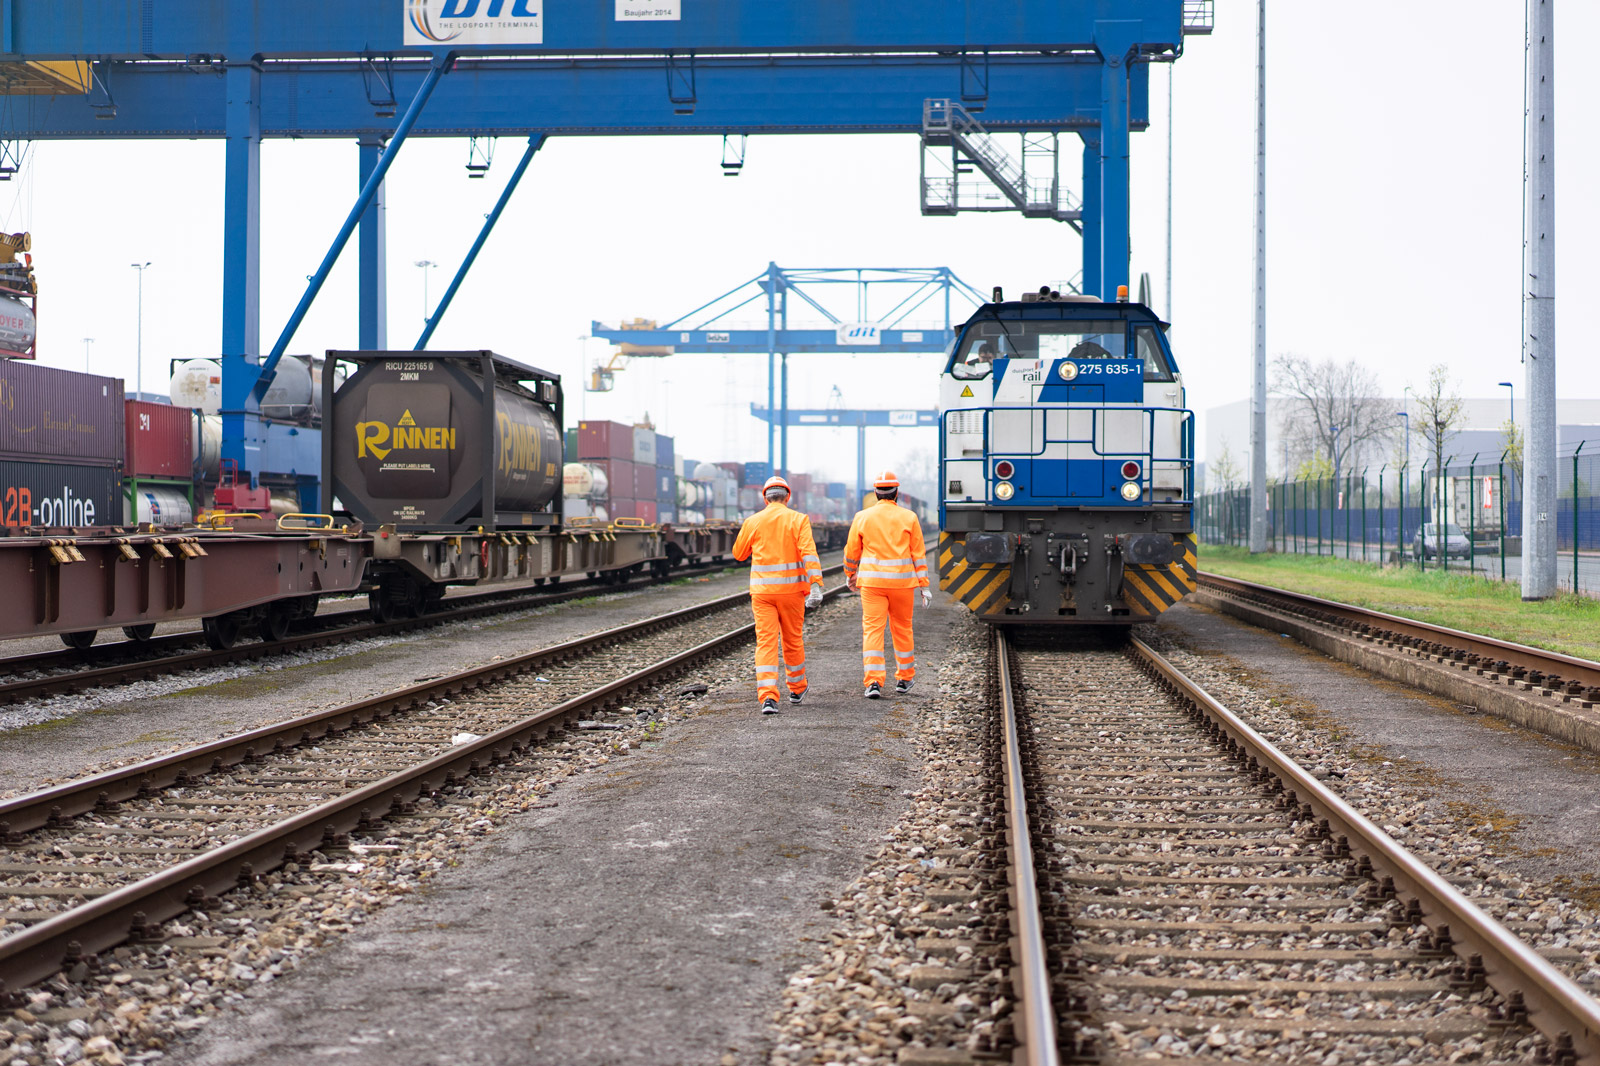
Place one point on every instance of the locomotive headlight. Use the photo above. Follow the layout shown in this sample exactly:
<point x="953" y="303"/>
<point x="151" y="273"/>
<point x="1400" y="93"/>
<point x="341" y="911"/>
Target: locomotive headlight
<point x="1068" y="370"/>
<point x="1130" y="490"/>
<point x="1003" y="491"/>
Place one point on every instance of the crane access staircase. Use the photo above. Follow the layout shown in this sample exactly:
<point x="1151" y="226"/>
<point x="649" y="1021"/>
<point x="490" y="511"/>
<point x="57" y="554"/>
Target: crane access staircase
<point x="1030" y="183"/>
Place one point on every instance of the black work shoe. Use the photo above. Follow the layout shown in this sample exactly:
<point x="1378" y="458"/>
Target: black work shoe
<point x="903" y="686"/>
<point x="769" y="706"/>
<point x="794" y="697"/>
<point x="874" y="690"/>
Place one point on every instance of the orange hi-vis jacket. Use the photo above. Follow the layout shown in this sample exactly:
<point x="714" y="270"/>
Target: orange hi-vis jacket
<point x="783" y="555"/>
<point x="885" y="549"/>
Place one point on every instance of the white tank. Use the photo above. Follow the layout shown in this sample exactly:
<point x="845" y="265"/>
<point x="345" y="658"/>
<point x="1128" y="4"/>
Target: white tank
<point x="600" y="483"/>
<point x="197" y="384"/>
<point x="208" y="446"/>
<point x="692" y="493"/>
<point x="691" y="517"/>
<point x="158" y="505"/>
<point x="576" y="480"/>
<point x="289" y="396"/>
<point x="282" y="505"/>
<point x="600" y="513"/>
<point x="709" y="472"/>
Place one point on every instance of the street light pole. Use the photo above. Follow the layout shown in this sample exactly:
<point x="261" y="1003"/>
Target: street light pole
<point x="1258" y="392"/>
<point x="1512" y="400"/>
<point x="138" y="373"/>
<point x="86" y="342"/>
<point x="1335" y="431"/>
<point x="1539" y="306"/>
<point x="425" y="265"/>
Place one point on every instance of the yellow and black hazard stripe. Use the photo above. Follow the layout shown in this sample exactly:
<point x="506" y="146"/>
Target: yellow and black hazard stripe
<point x="1149" y="590"/>
<point x="981" y="588"/>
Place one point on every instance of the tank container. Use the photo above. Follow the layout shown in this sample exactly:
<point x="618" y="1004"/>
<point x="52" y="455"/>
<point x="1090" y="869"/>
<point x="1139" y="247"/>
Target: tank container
<point x="444" y="441"/>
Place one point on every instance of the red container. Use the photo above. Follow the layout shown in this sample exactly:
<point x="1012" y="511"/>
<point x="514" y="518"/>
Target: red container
<point x="645" y="509"/>
<point x="57" y="415"/>
<point x="160" y="440"/>
<point x="800" y="482"/>
<point x="605" y="440"/>
<point x="622" y="508"/>
<point x="644" y="482"/>
<point x="735" y="470"/>
<point x="619" y="476"/>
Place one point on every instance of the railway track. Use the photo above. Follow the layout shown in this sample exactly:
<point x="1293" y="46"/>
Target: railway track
<point x="1515" y="665"/>
<point x="88" y="865"/>
<point x="55" y="673"/>
<point x="1179" y="888"/>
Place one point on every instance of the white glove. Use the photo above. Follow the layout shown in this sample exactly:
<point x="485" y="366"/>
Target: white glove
<point x="814" y="597"/>
<point x="927" y="596"/>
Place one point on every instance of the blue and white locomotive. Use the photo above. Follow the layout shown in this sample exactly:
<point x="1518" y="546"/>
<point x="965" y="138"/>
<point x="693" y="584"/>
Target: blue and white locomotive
<point x="1066" y="460"/>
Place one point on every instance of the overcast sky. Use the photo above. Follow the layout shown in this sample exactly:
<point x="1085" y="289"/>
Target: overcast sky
<point x="1394" y="217"/>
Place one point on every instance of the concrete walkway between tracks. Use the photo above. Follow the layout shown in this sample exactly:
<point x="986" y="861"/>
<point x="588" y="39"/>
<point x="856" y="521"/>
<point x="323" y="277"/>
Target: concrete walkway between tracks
<point x="652" y="918"/>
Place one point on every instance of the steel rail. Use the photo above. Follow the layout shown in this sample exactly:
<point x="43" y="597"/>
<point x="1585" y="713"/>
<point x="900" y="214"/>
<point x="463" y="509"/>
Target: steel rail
<point x="1030" y="980"/>
<point x="476" y="605"/>
<point x="1556" y="1006"/>
<point x="97" y="925"/>
<point x="53" y="805"/>
<point x="1584" y="670"/>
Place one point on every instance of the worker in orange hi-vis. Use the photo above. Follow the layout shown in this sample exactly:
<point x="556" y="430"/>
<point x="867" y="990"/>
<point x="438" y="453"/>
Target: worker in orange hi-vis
<point x="785" y="579"/>
<point x="886" y="560"/>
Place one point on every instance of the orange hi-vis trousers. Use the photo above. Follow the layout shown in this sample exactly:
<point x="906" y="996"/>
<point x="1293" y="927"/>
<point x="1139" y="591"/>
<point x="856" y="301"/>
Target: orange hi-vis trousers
<point x="891" y="606"/>
<point x="779" y="628"/>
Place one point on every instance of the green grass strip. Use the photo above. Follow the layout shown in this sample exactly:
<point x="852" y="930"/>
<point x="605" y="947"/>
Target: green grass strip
<point x="1569" y="624"/>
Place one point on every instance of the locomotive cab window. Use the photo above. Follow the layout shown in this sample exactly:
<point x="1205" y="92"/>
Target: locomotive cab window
<point x="1148" y="347"/>
<point x="987" y="341"/>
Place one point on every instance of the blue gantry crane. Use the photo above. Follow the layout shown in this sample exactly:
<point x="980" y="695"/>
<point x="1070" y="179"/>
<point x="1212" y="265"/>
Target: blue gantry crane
<point x="380" y="71"/>
<point x="859" y="420"/>
<point x="708" y="329"/>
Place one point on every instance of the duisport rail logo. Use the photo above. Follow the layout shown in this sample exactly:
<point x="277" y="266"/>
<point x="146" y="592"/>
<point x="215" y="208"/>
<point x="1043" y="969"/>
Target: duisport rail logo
<point x="472" y="22"/>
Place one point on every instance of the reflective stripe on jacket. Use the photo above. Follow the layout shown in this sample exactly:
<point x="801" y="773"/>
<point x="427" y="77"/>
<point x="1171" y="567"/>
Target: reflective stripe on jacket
<point x="885" y="549"/>
<point x="783" y="555"/>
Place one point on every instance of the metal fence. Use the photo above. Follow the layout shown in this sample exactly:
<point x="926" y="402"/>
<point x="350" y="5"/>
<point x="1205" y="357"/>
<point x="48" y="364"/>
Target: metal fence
<point x="1473" y="508"/>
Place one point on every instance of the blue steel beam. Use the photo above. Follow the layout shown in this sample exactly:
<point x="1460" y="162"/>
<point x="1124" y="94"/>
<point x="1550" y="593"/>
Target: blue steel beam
<point x="483" y="235"/>
<point x="755" y="341"/>
<point x="372" y="254"/>
<point x="241" y="257"/>
<point x="834" y="94"/>
<point x="374" y="181"/>
<point x="828" y="418"/>
<point x="137" y="29"/>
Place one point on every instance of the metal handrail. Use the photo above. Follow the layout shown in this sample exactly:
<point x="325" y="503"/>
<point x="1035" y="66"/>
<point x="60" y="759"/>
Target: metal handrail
<point x="1031" y="975"/>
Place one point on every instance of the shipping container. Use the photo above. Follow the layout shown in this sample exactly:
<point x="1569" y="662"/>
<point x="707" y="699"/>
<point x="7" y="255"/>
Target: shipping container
<point x="645" y="510"/>
<point x="623" y="508"/>
<point x="687" y="467"/>
<point x="59" y="494"/>
<point x="666" y="514"/>
<point x="159" y="440"/>
<point x="644" y="445"/>
<point x="575" y="507"/>
<point x="570" y="440"/>
<point x="837" y="490"/>
<point x="618" y="475"/>
<point x="666" y="486"/>
<point x="644" y="482"/>
<point x="53" y="415"/>
<point x="735" y="470"/>
<point x="605" y="440"/>
<point x="756" y="474"/>
<point x="664" y="453"/>
<point x="802" y="482"/>
<point x="443" y="442"/>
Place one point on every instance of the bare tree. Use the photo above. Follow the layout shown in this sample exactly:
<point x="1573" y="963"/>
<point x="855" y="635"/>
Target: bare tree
<point x="1225" y="468"/>
<point x="1334" y="411"/>
<point x="1439" y="414"/>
